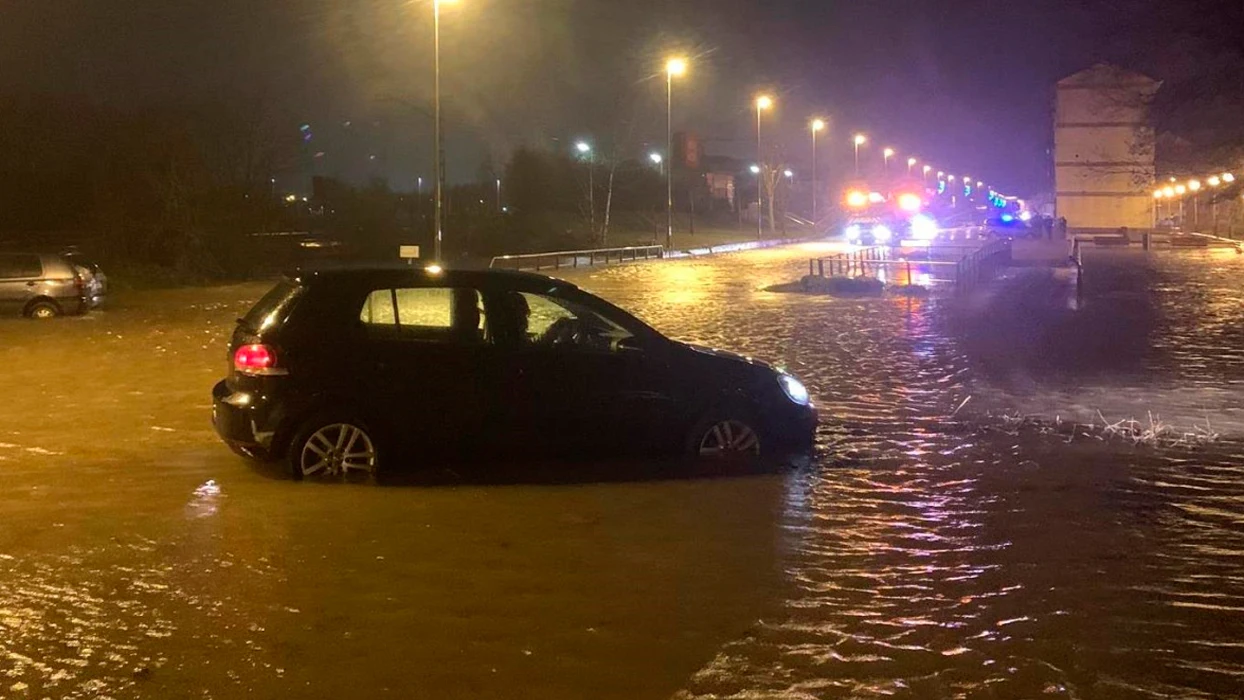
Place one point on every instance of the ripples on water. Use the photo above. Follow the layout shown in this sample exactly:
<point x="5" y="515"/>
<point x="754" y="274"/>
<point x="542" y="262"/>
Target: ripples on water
<point x="937" y="554"/>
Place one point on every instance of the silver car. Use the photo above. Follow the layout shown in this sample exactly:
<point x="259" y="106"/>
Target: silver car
<point x="41" y="286"/>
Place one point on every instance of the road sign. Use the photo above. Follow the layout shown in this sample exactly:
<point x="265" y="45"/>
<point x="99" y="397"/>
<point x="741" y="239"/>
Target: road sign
<point x="406" y="252"/>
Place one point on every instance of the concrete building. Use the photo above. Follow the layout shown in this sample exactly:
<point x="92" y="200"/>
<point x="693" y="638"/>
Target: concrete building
<point x="1103" y="149"/>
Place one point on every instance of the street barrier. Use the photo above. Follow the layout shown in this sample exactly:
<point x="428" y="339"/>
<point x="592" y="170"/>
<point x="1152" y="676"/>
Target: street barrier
<point x="871" y="262"/>
<point x="576" y="258"/>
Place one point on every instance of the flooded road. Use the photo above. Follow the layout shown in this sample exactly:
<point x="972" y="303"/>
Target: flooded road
<point x="935" y="548"/>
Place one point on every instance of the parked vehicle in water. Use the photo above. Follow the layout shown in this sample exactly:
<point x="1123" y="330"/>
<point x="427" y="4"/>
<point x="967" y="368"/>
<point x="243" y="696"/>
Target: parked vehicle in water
<point x="39" y="285"/>
<point x="346" y="372"/>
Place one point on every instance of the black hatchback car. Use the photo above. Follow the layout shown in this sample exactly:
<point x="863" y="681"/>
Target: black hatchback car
<point x="343" y="372"/>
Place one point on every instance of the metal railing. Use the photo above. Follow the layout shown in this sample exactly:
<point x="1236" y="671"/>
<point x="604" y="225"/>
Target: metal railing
<point x="576" y="258"/>
<point x="869" y="262"/>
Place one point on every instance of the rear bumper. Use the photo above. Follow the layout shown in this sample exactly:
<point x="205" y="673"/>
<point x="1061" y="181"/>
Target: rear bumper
<point x="242" y="418"/>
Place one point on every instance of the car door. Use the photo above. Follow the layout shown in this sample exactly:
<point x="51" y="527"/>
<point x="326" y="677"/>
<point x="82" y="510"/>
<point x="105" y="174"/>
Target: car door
<point x="597" y="392"/>
<point x="19" y="278"/>
<point x="426" y="366"/>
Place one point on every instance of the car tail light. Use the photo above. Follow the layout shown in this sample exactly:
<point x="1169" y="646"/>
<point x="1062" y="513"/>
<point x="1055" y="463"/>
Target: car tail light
<point x="257" y="360"/>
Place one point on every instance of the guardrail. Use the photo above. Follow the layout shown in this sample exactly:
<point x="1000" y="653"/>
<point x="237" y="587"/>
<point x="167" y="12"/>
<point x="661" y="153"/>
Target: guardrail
<point x="576" y="258"/>
<point x="869" y="262"/>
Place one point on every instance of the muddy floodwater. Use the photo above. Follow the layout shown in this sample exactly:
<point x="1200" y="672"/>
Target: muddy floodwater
<point x="953" y="536"/>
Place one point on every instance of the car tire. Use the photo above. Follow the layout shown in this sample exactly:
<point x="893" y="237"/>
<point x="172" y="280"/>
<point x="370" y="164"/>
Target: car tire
<point x="726" y="435"/>
<point x="332" y="447"/>
<point x="43" y="309"/>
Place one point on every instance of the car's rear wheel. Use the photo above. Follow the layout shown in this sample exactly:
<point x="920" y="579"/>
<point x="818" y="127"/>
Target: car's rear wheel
<point x="725" y="437"/>
<point x="43" y="310"/>
<point x="334" y="449"/>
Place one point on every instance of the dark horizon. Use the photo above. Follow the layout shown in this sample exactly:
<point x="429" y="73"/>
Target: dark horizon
<point x="966" y="86"/>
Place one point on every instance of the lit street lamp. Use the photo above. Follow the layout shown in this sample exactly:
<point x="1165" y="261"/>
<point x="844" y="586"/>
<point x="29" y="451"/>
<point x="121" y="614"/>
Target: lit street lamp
<point x="585" y="150"/>
<point x="926" y="170"/>
<point x="816" y="125"/>
<point x="658" y="161"/>
<point x="860" y="140"/>
<point x="911" y="163"/>
<point x="673" y="67"/>
<point x="886" y="155"/>
<point x="762" y="103"/>
<point x="438" y="158"/>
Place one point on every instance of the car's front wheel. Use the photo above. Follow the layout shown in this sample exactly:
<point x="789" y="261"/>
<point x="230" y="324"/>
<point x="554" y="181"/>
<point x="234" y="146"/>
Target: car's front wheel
<point x="334" y="449"/>
<point x="725" y="436"/>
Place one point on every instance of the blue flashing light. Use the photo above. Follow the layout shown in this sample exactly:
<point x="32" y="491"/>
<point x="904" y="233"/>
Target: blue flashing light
<point x="1007" y="218"/>
<point x="941" y="186"/>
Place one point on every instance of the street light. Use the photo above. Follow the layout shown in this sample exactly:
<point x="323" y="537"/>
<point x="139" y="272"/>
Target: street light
<point x="816" y="125"/>
<point x="1214" y="181"/>
<point x="673" y="67"/>
<point x="886" y="155"/>
<point x="763" y="102"/>
<point x="585" y="149"/>
<point x="788" y="173"/>
<point x="438" y="166"/>
<point x="859" y="140"/>
<point x="658" y="161"/>
<point x="926" y="170"/>
<point x="755" y="169"/>
<point x="911" y="163"/>
<point x="1228" y="177"/>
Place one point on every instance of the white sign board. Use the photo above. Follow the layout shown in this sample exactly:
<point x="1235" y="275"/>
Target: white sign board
<point x="407" y="252"/>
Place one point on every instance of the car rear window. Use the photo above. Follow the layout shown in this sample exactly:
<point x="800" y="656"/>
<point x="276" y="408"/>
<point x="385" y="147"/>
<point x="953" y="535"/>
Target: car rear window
<point x="20" y="266"/>
<point x="272" y="308"/>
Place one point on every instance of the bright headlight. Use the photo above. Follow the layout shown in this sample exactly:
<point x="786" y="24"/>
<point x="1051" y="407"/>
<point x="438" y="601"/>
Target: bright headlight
<point x="923" y="228"/>
<point x="881" y="232"/>
<point x="794" y="389"/>
<point x="853" y="232"/>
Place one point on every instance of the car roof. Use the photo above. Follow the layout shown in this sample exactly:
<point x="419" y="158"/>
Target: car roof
<point x="395" y="273"/>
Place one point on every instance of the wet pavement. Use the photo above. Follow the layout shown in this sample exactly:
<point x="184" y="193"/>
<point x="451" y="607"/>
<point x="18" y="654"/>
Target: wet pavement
<point x="949" y="540"/>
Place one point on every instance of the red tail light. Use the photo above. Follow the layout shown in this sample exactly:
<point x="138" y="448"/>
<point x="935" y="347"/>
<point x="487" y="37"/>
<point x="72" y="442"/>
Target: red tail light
<point x="257" y="360"/>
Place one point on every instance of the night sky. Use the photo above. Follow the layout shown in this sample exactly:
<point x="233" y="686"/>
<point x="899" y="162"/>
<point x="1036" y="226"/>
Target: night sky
<point x="964" y="83"/>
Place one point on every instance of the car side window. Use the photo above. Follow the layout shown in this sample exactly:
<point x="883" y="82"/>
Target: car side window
<point x="439" y="314"/>
<point x="20" y="267"/>
<point x="564" y="324"/>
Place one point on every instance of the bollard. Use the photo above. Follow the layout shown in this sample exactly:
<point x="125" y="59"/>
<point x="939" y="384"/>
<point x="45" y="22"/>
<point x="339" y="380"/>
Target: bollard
<point x="1144" y="240"/>
<point x="809" y="267"/>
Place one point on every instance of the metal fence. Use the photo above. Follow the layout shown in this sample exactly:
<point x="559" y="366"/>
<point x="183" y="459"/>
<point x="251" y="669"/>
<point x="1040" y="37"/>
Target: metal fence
<point x="969" y="263"/>
<point x="576" y="258"/>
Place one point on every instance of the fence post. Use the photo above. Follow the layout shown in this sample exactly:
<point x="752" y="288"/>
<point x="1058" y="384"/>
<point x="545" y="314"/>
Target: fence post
<point x="820" y="267"/>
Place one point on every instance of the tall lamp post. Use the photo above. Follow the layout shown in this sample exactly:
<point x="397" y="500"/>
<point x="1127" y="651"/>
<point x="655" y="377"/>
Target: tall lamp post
<point x="911" y="163"/>
<point x="817" y="125"/>
<point x="762" y="103"/>
<point x="585" y="150"/>
<point x="859" y="140"/>
<point x="438" y="165"/>
<point x="886" y="155"/>
<point x="926" y="170"/>
<point x="673" y="67"/>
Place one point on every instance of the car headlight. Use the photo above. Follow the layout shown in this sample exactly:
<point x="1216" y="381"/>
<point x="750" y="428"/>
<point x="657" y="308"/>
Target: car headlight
<point x="853" y="232"/>
<point x="794" y="389"/>
<point x="923" y="228"/>
<point x="881" y="232"/>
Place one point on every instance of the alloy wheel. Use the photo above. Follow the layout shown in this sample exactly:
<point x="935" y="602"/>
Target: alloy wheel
<point x="729" y="438"/>
<point x="43" y="311"/>
<point x="338" y="450"/>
